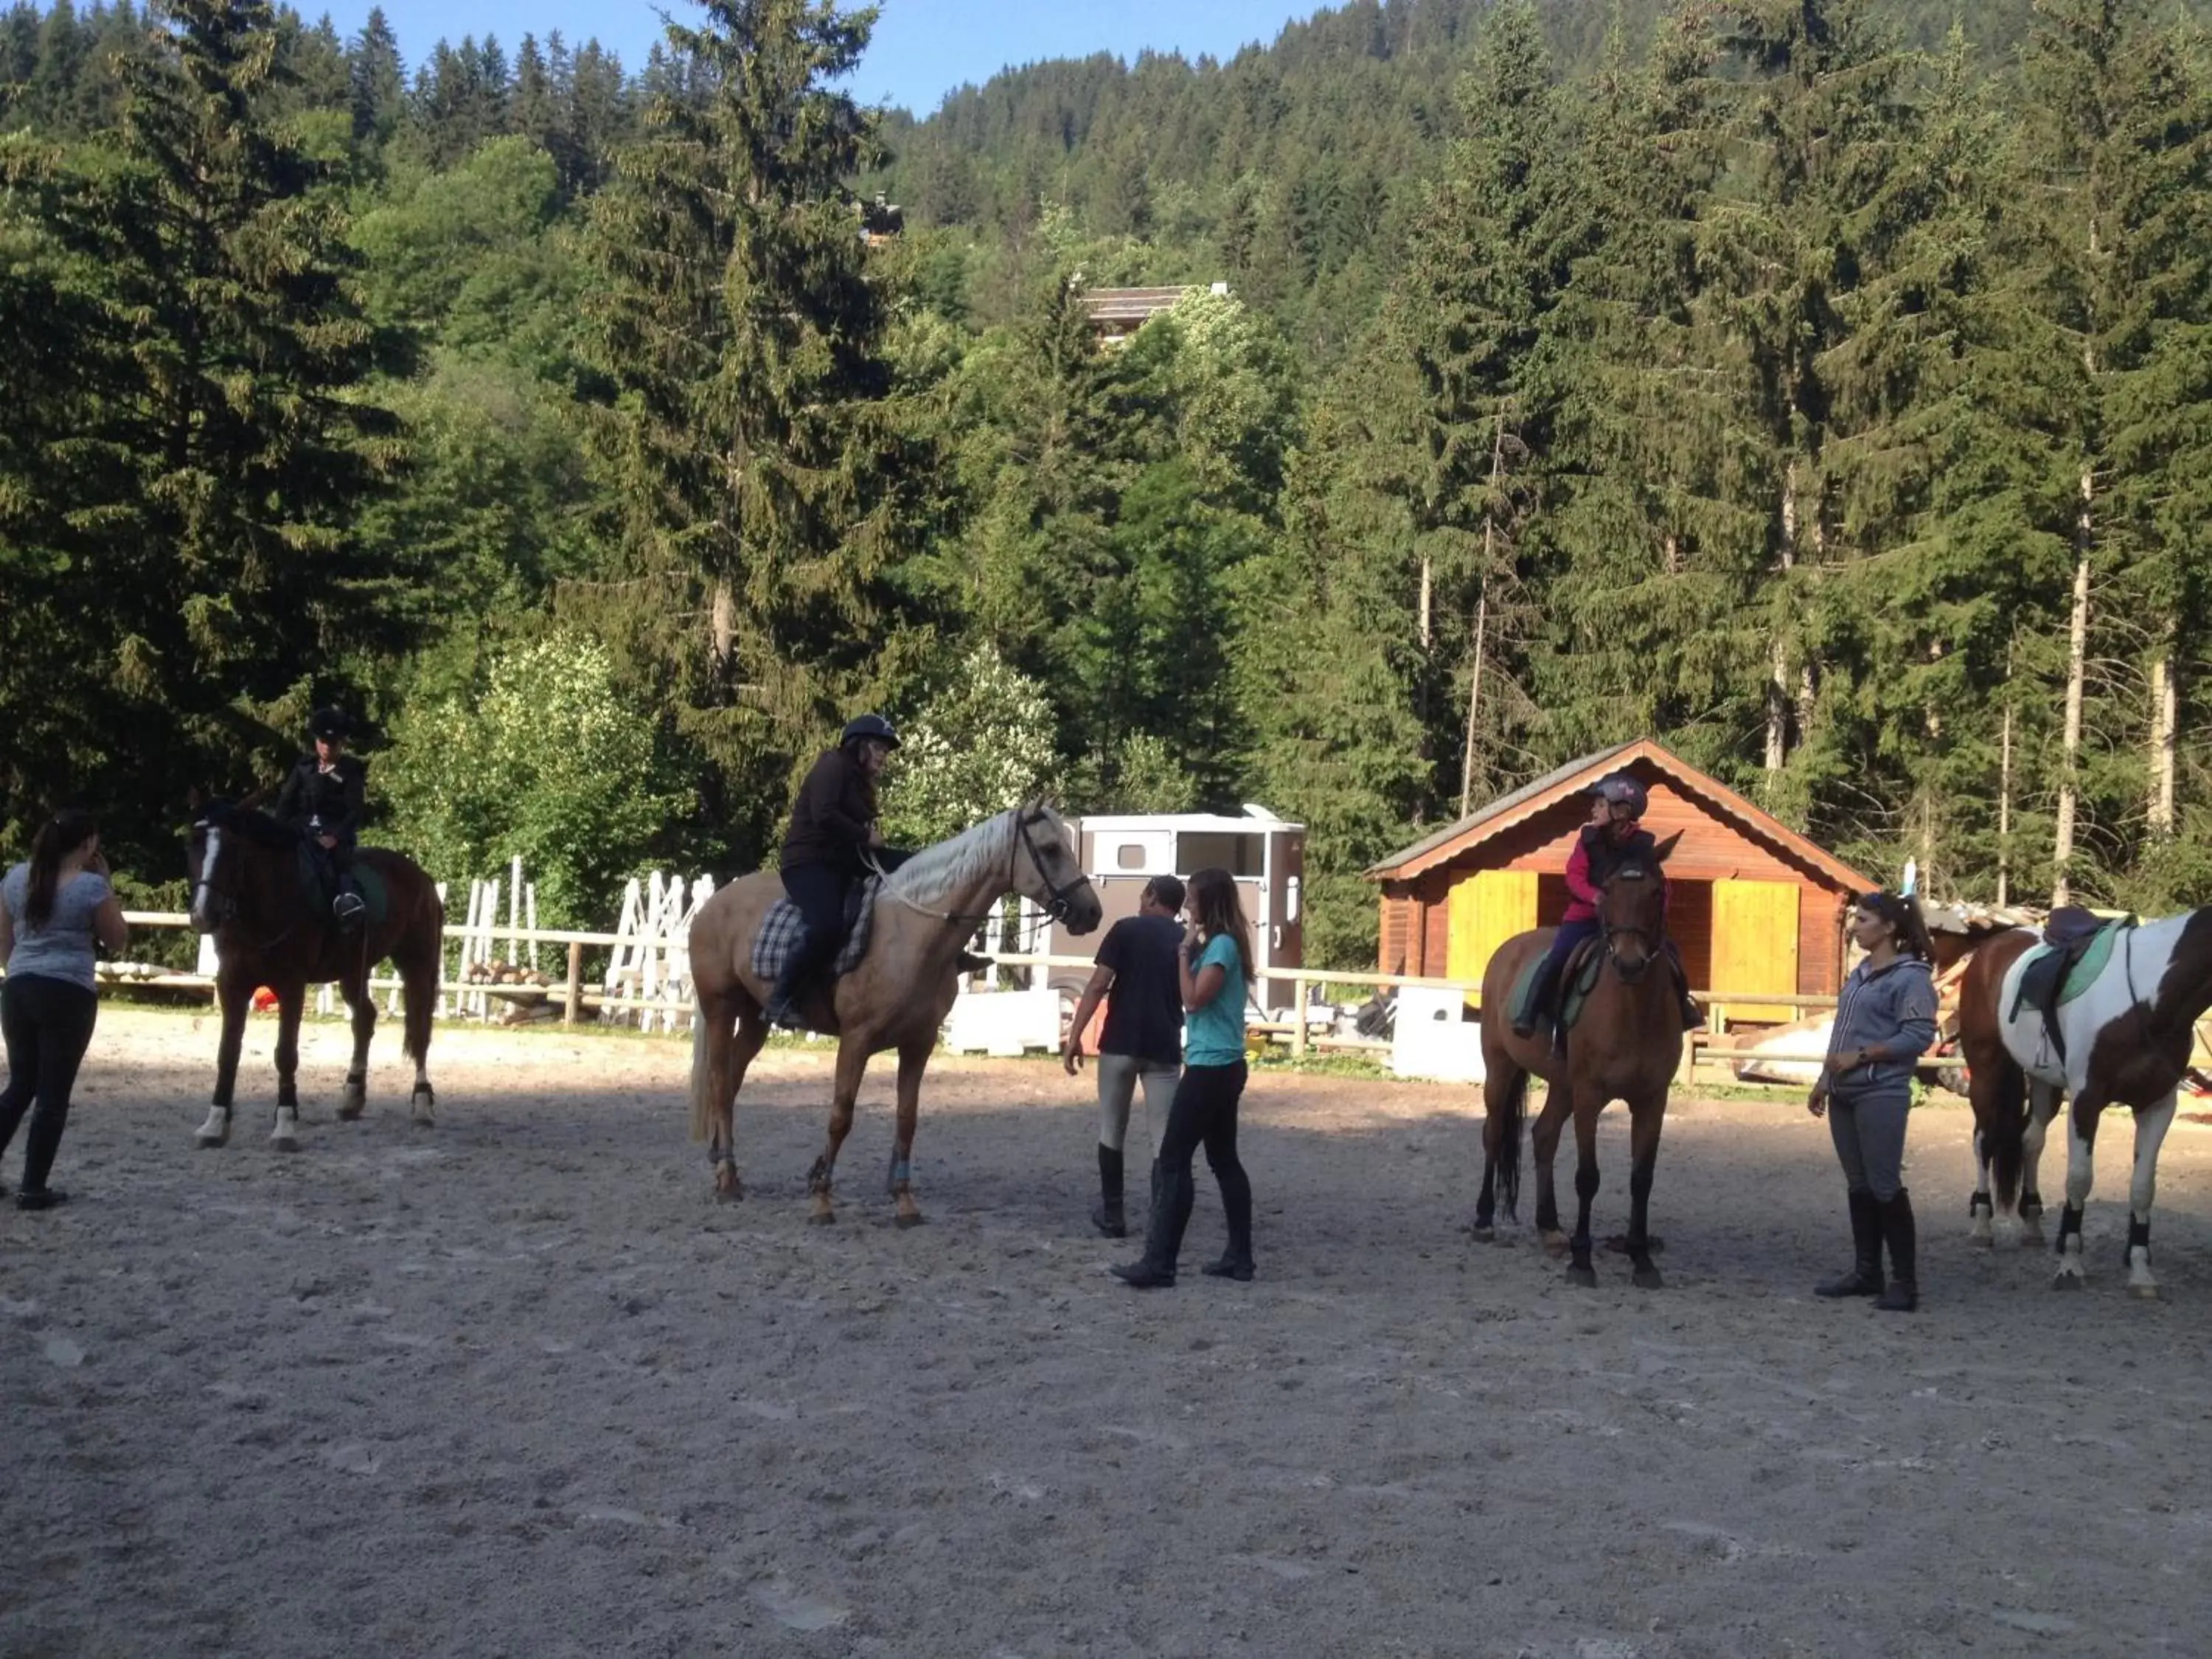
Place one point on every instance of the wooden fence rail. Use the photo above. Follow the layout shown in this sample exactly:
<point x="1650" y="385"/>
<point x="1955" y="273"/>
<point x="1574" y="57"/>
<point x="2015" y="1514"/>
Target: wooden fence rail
<point x="1300" y="1035"/>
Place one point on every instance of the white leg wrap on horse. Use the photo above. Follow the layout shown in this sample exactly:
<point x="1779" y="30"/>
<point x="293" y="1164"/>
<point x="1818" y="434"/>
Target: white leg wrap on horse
<point x="215" y="1132"/>
<point x="285" y="1137"/>
<point x="2070" y="1274"/>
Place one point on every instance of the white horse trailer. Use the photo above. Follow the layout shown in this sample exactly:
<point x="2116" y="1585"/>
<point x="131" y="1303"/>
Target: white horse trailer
<point x="1121" y="853"/>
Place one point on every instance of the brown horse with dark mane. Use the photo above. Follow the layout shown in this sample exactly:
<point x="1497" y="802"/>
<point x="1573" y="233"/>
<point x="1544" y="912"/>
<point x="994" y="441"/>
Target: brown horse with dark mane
<point x="1626" y="1046"/>
<point x="251" y="888"/>
<point x="2124" y="1038"/>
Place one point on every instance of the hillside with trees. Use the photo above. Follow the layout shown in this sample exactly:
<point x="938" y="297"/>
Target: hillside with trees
<point x="1810" y="384"/>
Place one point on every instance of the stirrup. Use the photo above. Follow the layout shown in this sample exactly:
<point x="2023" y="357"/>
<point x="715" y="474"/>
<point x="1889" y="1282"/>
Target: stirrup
<point x="348" y="907"/>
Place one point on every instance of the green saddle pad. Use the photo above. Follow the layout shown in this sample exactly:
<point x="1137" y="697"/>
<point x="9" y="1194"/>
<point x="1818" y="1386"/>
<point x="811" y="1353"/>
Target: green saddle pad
<point x="367" y="880"/>
<point x="2091" y="965"/>
<point x="1582" y="971"/>
<point x="2079" y="977"/>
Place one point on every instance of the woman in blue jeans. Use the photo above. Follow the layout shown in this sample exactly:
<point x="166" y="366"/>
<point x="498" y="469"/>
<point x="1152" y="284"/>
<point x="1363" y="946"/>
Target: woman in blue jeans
<point x="1214" y="967"/>
<point x="54" y="908"/>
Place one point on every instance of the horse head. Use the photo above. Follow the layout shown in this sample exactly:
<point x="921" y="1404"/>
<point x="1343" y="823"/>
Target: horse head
<point x="1050" y="874"/>
<point x="223" y="839"/>
<point x="1632" y="908"/>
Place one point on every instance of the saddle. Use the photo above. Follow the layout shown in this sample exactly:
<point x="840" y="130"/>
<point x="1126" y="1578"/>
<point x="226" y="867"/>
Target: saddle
<point x="2077" y="945"/>
<point x="1578" y="978"/>
<point x="319" y="884"/>
<point x="782" y="927"/>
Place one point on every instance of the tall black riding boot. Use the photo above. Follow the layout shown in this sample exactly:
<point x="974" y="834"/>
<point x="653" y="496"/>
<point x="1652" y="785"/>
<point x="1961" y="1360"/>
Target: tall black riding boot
<point x="1898" y="1232"/>
<point x="1107" y="1216"/>
<point x="1865" y="1276"/>
<point x="783" y="1001"/>
<point x="1173" y="1191"/>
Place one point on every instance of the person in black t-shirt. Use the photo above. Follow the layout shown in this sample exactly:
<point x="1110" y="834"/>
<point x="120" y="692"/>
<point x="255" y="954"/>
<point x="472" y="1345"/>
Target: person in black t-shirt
<point x="1143" y="1038"/>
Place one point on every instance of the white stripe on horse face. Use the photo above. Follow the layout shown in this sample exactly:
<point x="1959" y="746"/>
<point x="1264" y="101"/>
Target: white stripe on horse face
<point x="2133" y="974"/>
<point x="205" y="886"/>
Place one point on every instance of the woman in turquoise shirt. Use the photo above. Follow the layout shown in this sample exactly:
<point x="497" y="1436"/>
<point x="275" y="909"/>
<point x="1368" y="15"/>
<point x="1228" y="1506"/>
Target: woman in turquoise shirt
<point x="1215" y="968"/>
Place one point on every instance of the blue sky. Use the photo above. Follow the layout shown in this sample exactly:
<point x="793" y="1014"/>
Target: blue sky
<point x="923" y="48"/>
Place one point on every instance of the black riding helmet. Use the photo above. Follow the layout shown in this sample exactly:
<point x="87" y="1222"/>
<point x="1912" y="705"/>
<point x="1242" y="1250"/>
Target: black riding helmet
<point x="869" y="725"/>
<point x="329" y="723"/>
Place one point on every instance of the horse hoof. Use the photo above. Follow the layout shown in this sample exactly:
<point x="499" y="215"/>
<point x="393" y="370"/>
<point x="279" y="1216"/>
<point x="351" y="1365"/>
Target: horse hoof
<point x="2032" y="1238"/>
<point x="1618" y="1245"/>
<point x="1983" y="1241"/>
<point x="821" y="1218"/>
<point x="727" y="1187"/>
<point x="283" y="1141"/>
<point x="916" y="1219"/>
<point x="1647" y="1278"/>
<point x="1484" y="1235"/>
<point x="2146" y="1293"/>
<point x="1582" y="1278"/>
<point x="1555" y="1245"/>
<point x="2065" y="1281"/>
<point x="210" y="1143"/>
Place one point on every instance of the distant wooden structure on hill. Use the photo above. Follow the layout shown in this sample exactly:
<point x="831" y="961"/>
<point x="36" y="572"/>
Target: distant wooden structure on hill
<point x="1116" y="313"/>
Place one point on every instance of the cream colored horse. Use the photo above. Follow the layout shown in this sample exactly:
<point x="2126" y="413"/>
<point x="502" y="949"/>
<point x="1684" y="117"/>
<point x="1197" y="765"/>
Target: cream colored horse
<point x="898" y="996"/>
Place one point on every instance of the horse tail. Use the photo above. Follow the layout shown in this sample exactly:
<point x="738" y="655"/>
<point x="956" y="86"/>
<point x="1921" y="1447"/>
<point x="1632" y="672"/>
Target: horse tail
<point x="1512" y="1109"/>
<point x="420" y="957"/>
<point x="702" y="1073"/>
<point x="2005" y="1136"/>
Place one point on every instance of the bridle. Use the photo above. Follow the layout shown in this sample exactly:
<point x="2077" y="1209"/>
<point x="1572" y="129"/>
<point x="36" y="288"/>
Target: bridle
<point x="1654" y="938"/>
<point x="1062" y="897"/>
<point x="205" y="890"/>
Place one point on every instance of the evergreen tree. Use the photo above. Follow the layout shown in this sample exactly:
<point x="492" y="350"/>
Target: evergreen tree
<point x="1488" y="265"/>
<point x="222" y="478"/>
<point x="376" y="81"/>
<point x="743" y="330"/>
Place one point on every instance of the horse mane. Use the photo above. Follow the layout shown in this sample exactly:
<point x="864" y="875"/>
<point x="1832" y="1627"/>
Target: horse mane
<point x="255" y="825"/>
<point x="936" y="872"/>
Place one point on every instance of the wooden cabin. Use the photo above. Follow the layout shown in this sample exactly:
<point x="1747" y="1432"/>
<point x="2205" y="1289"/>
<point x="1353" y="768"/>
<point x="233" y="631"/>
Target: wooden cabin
<point x="1752" y="905"/>
<point x="1116" y="313"/>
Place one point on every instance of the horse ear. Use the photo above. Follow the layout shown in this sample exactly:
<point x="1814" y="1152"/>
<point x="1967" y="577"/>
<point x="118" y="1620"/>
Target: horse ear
<point x="195" y="797"/>
<point x="1661" y="853"/>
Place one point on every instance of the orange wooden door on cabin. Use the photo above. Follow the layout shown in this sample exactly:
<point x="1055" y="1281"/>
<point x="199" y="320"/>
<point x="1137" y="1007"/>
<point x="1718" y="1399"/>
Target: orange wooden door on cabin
<point x="1487" y="909"/>
<point x="1755" y="946"/>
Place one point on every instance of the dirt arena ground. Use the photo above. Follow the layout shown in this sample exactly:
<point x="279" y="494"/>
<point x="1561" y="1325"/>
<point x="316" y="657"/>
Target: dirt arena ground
<point x="517" y="1386"/>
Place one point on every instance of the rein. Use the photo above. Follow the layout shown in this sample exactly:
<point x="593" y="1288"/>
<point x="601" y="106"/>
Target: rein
<point x="1057" y="909"/>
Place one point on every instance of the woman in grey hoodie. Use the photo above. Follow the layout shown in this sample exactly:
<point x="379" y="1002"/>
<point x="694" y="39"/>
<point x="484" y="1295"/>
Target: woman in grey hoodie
<point x="1885" y="1021"/>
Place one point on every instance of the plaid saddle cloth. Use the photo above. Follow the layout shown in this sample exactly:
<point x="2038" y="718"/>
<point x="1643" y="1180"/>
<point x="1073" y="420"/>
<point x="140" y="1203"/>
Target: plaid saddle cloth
<point x="780" y="928"/>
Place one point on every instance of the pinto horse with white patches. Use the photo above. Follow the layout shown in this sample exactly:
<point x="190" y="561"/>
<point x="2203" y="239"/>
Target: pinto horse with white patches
<point x="2127" y="1037"/>
<point x="270" y="929"/>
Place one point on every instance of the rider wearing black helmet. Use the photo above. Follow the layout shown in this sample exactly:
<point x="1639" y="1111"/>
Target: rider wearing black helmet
<point x="832" y="826"/>
<point x="324" y="798"/>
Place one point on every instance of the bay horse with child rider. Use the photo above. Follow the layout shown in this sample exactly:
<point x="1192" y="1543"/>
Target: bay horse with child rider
<point x="1626" y="1045"/>
<point x="2105" y="1014"/>
<point x="896" y="996"/>
<point x="258" y="886"/>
